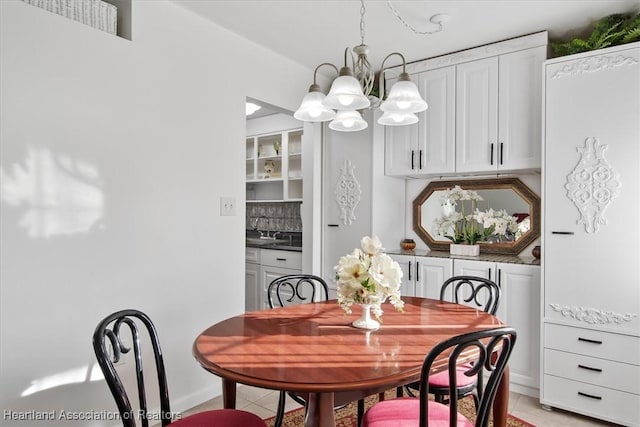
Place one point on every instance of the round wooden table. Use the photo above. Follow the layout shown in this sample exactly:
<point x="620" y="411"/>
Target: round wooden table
<point x="313" y="348"/>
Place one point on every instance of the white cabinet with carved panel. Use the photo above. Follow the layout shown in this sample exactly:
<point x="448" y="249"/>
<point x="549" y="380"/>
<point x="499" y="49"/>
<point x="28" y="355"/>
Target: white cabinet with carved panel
<point x="519" y="307"/>
<point x="423" y="276"/>
<point x="591" y="245"/>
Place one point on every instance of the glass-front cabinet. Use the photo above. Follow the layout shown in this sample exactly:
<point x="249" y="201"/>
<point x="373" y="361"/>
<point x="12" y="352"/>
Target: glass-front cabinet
<point x="274" y="166"/>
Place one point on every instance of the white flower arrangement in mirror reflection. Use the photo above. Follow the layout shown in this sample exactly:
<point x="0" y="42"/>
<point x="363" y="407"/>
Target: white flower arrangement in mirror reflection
<point x="368" y="276"/>
<point x="477" y="226"/>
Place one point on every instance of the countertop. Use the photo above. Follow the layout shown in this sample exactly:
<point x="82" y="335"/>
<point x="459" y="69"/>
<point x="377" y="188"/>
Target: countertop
<point x="509" y="259"/>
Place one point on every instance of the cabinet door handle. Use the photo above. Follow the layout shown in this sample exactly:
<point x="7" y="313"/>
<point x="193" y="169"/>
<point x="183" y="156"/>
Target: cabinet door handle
<point x="413" y="159"/>
<point x="420" y="159"/>
<point x="333" y="225"/>
<point x="417" y="271"/>
<point x="501" y="152"/>
<point x="589" y="368"/>
<point x="409" y="270"/>
<point x="489" y="274"/>
<point x="565" y="233"/>
<point x="491" y="155"/>
<point x="499" y="276"/>
<point x="589" y="341"/>
<point x="281" y="259"/>
<point x="590" y="396"/>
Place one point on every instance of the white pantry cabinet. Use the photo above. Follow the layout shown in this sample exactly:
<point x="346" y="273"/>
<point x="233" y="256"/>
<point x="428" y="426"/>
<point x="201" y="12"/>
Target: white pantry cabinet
<point x="484" y="112"/>
<point x="423" y="276"/>
<point x="590" y="243"/>
<point x="252" y="279"/>
<point x="519" y="307"/>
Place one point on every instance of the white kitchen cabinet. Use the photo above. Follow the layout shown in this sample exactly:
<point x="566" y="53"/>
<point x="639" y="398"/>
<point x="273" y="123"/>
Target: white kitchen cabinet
<point x="498" y="112"/>
<point x="423" y="276"/>
<point x="274" y="166"/>
<point x="426" y="147"/>
<point x="484" y="112"/>
<point x="274" y="264"/>
<point x="252" y="279"/>
<point x="519" y="307"/>
<point x="590" y="250"/>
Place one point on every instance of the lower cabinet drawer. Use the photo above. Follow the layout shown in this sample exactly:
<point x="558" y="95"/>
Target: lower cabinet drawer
<point x="594" y="401"/>
<point x="604" y="345"/>
<point x="284" y="259"/>
<point x="601" y="372"/>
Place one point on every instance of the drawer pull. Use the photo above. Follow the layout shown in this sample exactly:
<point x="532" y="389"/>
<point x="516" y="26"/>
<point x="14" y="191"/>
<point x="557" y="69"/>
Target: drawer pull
<point x="281" y="259"/>
<point x="589" y="341"/>
<point x="566" y="233"/>
<point x="590" y="396"/>
<point x="333" y="225"/>
<point x="589" y="368"/>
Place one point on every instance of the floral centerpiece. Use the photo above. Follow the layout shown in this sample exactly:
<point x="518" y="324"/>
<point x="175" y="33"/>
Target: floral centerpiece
<point x="470" y="225"/>
<point x="368" y="277"/>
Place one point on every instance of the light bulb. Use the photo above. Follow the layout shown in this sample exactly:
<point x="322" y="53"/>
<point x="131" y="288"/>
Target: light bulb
<point x="348" y="123"/>
<point x="403" y="105"/>
<point x="345" y="100"/>
<point x="315" y="113"/>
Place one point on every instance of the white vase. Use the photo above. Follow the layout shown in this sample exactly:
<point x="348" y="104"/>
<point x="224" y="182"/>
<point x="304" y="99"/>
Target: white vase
<point x="366" y="321"/>
<point x="465" y="250"/>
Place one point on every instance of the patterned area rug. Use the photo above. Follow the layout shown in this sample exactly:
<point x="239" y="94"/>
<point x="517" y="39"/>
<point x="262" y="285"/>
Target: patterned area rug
<point x="346" y="416"/>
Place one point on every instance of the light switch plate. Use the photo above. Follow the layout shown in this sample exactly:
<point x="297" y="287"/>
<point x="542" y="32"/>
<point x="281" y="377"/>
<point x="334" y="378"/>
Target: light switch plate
<point x="227" y="206"/>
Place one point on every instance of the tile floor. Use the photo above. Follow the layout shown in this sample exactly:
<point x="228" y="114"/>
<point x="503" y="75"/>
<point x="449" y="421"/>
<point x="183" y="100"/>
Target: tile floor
<point x="264" y="402"/>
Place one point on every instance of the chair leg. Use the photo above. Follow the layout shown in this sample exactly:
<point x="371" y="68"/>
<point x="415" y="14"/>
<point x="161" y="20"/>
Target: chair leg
<point x="360" y="411"/>
<point x="280" y="410"/>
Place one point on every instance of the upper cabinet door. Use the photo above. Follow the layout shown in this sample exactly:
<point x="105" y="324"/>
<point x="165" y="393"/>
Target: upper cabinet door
<point x="437" y="123"/>
<point x="477" y="116"/>
<point x="520" y="109"/>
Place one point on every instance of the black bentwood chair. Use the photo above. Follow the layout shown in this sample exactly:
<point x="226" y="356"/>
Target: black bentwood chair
<point x="493" y="348"/>
<point x="109" y="345"/>
<point x="298" y="289"/>
<point x="475" y="291"/>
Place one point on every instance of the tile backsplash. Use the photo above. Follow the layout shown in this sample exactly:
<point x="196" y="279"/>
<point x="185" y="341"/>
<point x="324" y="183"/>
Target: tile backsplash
<point x="282" y="216"/>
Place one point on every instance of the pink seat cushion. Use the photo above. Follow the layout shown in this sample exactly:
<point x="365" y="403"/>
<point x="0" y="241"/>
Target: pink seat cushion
<point x="221" y="418"/>
<point x="405" y="412"/>
<point x="442" y="379"/>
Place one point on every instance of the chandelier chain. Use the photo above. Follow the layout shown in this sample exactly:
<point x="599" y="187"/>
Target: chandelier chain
<point x="362" y="11"/>
<point x="409" y="26"/>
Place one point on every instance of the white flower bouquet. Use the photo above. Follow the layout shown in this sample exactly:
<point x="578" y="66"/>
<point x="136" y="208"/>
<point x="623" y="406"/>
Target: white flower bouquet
<point x="476" y="226"/>
<point x="368" y="276"/>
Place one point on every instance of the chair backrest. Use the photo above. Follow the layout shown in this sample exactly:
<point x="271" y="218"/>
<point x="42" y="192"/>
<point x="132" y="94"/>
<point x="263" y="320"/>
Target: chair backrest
<point x="489" y="349"/>
<point x="297" y="289"/>
<point x="475" y="291"/>
<point x="114" y="338"/>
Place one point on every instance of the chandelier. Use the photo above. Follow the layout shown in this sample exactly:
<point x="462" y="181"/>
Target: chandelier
<point x="351" y="89"/>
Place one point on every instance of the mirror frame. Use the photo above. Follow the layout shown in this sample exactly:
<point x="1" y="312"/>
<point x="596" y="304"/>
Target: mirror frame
<point x="507" y="248"/>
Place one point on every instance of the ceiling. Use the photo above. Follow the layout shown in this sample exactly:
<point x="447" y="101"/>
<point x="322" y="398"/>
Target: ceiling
<point x="314" y="31"/>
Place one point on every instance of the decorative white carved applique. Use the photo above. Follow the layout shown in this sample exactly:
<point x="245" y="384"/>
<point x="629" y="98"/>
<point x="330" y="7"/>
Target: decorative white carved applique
<point x="347" y="193"/>
<point x="592" y="184"/>
<point x="593" y="64"/>
<point x="593" y="316"/>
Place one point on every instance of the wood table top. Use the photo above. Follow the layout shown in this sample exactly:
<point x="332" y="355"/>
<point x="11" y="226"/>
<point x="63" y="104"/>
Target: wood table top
<point x="314" y="348"/>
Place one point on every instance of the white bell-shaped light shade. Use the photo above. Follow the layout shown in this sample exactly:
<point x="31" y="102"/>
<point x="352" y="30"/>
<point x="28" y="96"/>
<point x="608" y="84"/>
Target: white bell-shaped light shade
<point x="348" y="121"/>
<point x="397" y="119"/>
<point x="404" y="98"/>
<point x="346" y="94"/>
<point x="312" y="109"/>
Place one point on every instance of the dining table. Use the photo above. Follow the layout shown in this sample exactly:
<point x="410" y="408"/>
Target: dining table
<point x="314" y="349"/>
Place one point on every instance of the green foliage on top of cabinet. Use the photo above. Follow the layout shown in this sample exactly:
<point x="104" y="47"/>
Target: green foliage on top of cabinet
<point x="609" y="31"/>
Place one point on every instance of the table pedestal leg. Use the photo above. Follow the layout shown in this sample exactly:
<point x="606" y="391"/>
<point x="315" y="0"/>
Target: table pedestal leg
<point x="501" y="402"/>
<point x="228" y="394"/>
<point x="320" y="410"/>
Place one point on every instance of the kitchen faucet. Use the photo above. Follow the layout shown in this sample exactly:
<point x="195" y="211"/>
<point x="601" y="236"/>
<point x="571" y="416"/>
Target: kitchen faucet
<point x="255" y="225"/>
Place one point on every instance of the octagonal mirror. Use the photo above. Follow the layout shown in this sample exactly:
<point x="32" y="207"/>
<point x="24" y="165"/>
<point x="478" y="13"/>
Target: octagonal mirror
<point x="509" y="194"/>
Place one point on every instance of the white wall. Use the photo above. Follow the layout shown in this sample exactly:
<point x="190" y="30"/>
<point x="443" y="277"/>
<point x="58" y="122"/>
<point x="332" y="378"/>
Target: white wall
<point x="114" y="155"/>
